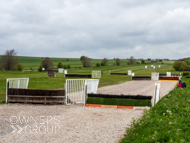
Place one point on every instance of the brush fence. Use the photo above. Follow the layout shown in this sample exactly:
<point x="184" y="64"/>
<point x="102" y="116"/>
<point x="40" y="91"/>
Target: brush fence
<point x="76" y="90"/>
<point x="16" y="95"/>
<point x="79" y="75"/>
<point x="96" y="74"/>
<point x="16" y="83"/>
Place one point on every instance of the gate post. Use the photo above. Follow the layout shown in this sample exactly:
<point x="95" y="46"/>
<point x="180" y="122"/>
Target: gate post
<point x="86" y="95"/>
<point x="7" y="90"/>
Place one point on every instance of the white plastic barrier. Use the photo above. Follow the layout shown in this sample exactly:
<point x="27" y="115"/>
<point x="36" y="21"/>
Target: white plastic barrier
<point x="133" y="74"/>
<point x="152" y="66"/>
<point x="159" y="66"/>
<point x="76" y="90"/>
<point x="60" y="70"/>
<point x="154" y="76"/>
<point x="96" y="74"/>
<point x="145" y="67"/>
<point x="16" y="83"/>
<point x="65" y="72"/>
<point x="156" y="96"/>
<point x="92" y="85"/>
<point x="43" y="69"/>
<point x="129" y="72"/>
<point x="168" y="74"/>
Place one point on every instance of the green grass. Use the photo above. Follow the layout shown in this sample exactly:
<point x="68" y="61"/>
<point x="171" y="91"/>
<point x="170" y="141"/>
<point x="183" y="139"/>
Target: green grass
<point x="121" y="102"/>
<point x="42" y="81"/>
<point x="168" y="121"/>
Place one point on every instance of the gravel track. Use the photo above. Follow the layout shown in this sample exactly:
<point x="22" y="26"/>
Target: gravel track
<point x="76" y="123"/>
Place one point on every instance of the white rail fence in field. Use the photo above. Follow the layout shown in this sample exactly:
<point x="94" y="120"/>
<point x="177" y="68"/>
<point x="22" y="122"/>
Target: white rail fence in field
<point x="16" y="83"/>
<point x="76" y="90"/>
<point x="96" y="74"/>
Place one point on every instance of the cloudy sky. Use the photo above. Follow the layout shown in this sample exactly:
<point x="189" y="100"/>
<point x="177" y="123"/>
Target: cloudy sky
<point x="96" y="28"/>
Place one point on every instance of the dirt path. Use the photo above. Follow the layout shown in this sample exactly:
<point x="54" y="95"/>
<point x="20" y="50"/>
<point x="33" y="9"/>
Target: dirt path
<point x="73" y="124"/>
<point x="138" y="87"/>
<point x="76" y="124"/>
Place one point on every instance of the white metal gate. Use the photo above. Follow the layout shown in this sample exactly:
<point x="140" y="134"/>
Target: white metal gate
<point x="76" y="90"/>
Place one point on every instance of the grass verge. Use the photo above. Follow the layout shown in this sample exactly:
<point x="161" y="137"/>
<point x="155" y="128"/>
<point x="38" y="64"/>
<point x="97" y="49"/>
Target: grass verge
<point x="168" y="121"/>
<point x="115" y="101"/>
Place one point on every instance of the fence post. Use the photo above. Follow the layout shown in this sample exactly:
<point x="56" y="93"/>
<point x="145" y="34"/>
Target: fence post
<point x="85" y="95"/>
<point x="7" y="90"/>
<point x="66" y="92"/>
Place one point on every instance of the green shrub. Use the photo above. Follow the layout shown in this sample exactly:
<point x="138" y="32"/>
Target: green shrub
<point x="65" y="67"/>
<point x="187" y="76"/>
<point x="19" y="67"/>
<point x="121" y="102"/>
<point x="59" y="65"/>
<point x="68" y="66"/>
<point x="97" y="65"/>
<point x="167" y="121"/>
<point x="180" y="66"/>
<point x="142" y="62"/>
<point x="40" y="68"/>
<point x="185" y="73"/>
<point x="102" y="64"/>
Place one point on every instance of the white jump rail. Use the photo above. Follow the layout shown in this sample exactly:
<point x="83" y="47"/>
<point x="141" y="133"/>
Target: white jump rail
<point x="16" y="83"/>
<point x="76" y="90"/>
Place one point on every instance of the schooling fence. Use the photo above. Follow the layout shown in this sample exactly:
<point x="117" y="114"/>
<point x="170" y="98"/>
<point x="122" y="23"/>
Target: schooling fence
<point x="16" y="95"/>
<point x="76" y="90"/>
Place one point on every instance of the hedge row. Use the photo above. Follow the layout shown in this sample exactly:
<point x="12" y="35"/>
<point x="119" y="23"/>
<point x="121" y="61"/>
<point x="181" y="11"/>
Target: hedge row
<point x="120" y="102"/>
<point x="120" y="96"/>
<point x="79" y="75"/>
<point x="119" y="73"/>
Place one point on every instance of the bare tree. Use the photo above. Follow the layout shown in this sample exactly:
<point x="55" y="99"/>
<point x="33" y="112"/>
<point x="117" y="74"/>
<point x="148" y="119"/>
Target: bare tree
<point x="104" y="62"/>
<point x="86" y="62"/>
<point x="132" y="60"/>
<point x="47" y="63"/>
<point x="118" y="62"/>
<point x="9" y="60"/>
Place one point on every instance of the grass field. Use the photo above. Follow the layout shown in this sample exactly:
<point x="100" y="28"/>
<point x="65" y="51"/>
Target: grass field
<point x="40" y="80"/>
<point x="167" y="121"/>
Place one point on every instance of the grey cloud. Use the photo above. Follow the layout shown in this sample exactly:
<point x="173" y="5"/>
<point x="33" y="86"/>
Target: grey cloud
<point x="98" y="29"/>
